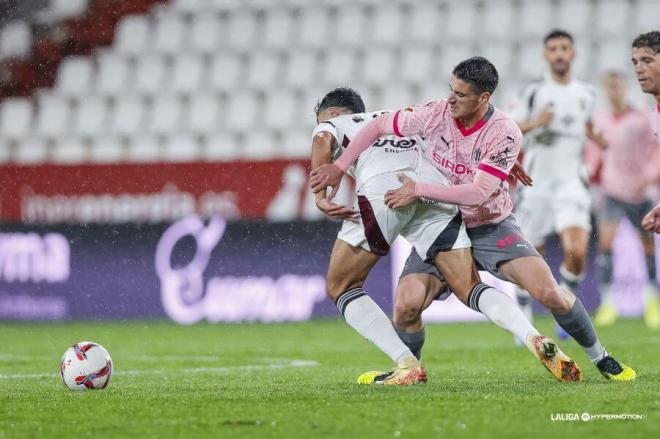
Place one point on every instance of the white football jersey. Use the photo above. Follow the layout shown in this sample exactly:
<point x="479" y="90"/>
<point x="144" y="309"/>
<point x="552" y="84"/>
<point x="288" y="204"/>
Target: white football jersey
<point x="387" y="154"/>
<point x="555" y="151"/>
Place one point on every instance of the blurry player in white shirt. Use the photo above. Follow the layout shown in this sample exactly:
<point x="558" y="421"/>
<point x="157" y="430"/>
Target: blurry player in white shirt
<point x="554" y="114"/>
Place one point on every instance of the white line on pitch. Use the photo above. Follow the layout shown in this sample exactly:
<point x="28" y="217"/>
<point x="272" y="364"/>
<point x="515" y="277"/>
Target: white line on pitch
<point x="286" y="365"/>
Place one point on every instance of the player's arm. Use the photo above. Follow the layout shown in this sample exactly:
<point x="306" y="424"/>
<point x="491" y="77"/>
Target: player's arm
<point x="594" y="136"/>
<point x="651" y="221"/>
<point x="407" y="122"/>
<point x="322" y="144"/>
<point x="543" y="119"/>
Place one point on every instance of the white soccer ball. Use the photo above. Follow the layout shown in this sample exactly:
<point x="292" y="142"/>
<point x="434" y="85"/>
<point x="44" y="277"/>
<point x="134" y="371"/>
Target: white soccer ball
<point x="86" y="366"/>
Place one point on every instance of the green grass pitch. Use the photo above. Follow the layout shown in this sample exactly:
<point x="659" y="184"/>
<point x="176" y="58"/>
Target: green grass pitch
<point x="298" y="381"/>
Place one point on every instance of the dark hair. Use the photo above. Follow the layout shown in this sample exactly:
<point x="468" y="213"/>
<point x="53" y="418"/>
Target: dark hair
<point x="342" y="97"/>
<point x="557" y="33"/>
<point x="480" y="73"/>
<point x="650" y="40"/>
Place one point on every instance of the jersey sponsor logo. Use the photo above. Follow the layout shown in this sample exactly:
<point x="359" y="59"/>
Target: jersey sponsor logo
<point x="402" y="144"/>
<point x="358" y="119"/>
<point x="456" y="168"/>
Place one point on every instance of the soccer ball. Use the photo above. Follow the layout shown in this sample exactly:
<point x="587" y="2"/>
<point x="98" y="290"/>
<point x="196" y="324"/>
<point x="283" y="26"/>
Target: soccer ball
<point x="86" y="366"/>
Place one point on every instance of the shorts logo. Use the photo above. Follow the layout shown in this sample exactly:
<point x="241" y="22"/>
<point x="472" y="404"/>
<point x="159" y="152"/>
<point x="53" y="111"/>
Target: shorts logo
<point x="510" y="240"/>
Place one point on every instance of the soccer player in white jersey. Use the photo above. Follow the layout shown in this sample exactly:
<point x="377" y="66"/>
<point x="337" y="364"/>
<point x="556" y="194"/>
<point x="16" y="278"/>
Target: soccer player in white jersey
<point x="554" y="113"/>
<point x="646" y="59"/>
<point x="474" y="145"/>
<point x="627" y="167"/>
<point x="435" y="229"/>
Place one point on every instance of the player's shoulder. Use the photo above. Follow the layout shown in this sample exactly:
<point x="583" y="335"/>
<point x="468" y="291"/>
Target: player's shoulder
<point x="585" y="87"/>
<point x="533" y="85"/>
<point x="502" y="124"/>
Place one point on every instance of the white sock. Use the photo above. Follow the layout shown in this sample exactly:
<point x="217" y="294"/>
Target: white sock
<point x="501" y="310"/>
<point x="368" y="319"/>
<point x="596" y="352"/>
<point x="525" y="303"/>
<point x="606" y="295"/>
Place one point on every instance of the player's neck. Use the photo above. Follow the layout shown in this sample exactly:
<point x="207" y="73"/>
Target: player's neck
<point x="561" y="78"/>
<point x="619" y="108"/>
<point x="470" y="121"/>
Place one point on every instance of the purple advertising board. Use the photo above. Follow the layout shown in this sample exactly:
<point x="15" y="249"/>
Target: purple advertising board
<point x="193" y="270"/>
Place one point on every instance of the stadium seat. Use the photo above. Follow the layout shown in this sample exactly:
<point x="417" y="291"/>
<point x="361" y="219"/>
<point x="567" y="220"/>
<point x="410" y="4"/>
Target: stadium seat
<point x="280" y="109"/>
<point x="301" y="68"/>
<point x="535" y="20"/>
<point x="31" y="150"/>
<point x="646" y="15"/>
<point x="339" y="67"/>
<point x="378" y="67"/>
<point x="260" y="145"/>
<point x="205" y="33"/>
<point x="612" y="17"/>
<point x="128" y="115"/>
<point x="5" y="151"/>
<point x="264" y="69"/>
<point x="429" y="24"/>
<point x="351" y="25"/>
<point x="417" y="63"/>
<point x="613" y="55"/>
<point x="150" y="74"/>
<point x="396" y="96"/>
<point x="296" y="144"/>
<point x="74" y="76"/>
<point x="386" y="23"/>
<point x="452" y="55"/>
<point x="203" y="115"/>
<point x="531" y="64"/>
<point x="168" y="34"/>
<point x="144" y="148"/>
<point x="15" y="118"/>
<point x="221" y="146"/>
<point x="241" y="110"/>
<point x="314" y="25"/>
<point x="242" y="29"/>
<point x="187" y="73"/>
<point x="497" y="20"/>
<point x="182" y="148"/>
<point x="53" y="116"/>
<point x="500" y="54"/>
<point x="583" y="64"/>
<point x="133" y="35"/>
<point x="70" y="150"/>
<point x="15" y="39"/>
<point x="165" y="115"/>
<point x="107" y="149"/>
<point x="90" y="116"/>
<point x="277" y="28"/>
<point x="227" y="71"/>
<point x="576" y="16"/>
<point x="62" y="9"/>
<point x="114" y="74"/>
<point x="461" y="20"/>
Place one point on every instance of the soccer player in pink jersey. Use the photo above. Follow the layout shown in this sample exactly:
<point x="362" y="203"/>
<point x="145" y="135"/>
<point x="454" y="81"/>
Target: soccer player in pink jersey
<point x="628" y="165"/>
<point x="646" y="59"/>
<point x="475" y="146"/>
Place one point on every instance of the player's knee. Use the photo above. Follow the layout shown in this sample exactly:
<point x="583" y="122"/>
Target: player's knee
<point x="552" y="298"/>
<point x="407" y="310"/>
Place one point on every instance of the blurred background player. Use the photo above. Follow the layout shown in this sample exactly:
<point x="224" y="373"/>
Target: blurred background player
<point x="626" y="169"/>
<point x="554" y="113"/>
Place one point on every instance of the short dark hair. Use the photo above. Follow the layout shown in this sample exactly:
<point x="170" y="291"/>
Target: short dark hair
<point x="342" y="97"/>
<point x="649" y="39"/>
<point x="557" y="33"/>
<point x="480" y="73"/>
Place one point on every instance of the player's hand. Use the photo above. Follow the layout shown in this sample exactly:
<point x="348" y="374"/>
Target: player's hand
<point x="651" y="221"/>
<point x="324" y="176"/>
<point x="337" y="211"/>
<point x="545" y="116"/>
<point x="518" y="173"/>
<point x="599" y="140"/>
<point x="402" y="197"/>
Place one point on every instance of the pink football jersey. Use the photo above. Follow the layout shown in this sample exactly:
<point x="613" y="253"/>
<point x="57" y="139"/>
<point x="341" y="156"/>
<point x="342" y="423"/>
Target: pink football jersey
<point x="492" y="146"/>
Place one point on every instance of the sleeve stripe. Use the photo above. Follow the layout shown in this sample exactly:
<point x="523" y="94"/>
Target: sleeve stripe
<point x="395" y="124"/>
<point x="492" y="171"/>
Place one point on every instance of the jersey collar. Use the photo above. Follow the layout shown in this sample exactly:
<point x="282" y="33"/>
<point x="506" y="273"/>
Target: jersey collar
<point x="477" y="126"/>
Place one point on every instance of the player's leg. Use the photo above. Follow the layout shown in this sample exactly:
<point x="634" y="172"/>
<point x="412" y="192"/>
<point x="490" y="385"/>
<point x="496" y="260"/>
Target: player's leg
<point x="608" y="222"/>
<point x="635" y="214"/>
<point x="574" y="241"/>
<point x="349" y="267"/>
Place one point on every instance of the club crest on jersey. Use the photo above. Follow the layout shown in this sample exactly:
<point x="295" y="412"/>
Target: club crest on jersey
<point x="476" y="155"/>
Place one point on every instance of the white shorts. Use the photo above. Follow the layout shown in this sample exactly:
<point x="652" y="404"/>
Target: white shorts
<point x="431" y="228"/>
<point x="549" y="209"/>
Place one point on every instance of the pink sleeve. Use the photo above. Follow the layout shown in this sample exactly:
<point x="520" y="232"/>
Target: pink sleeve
<point x="380" y="126"/>
<point x="502" y="146"/>
<point x="412" y="121"/>
<point x="472" y="194"/>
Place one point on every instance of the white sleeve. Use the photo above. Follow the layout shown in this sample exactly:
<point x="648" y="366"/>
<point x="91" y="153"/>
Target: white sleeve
<point x="326" y="127"/>
<point x="522" y="108"/>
